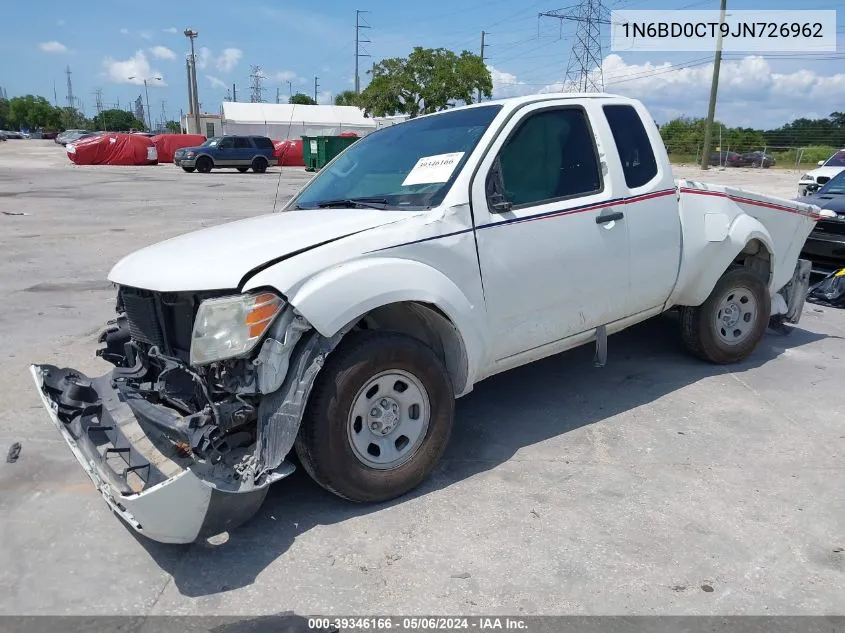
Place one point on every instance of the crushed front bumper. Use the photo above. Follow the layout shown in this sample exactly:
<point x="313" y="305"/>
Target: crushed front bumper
<point x="163" y="500"/>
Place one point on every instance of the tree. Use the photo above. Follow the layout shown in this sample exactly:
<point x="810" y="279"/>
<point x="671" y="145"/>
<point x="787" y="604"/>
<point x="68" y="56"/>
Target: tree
<point x="302" y="99"/>
<point x="428" y="80"/>
<point x="4" y="114"/>
<point x="346" y="98"/>
<point x="33" y="112"/>
<point x="174" y="127"/>
<point x="117" y="121"/>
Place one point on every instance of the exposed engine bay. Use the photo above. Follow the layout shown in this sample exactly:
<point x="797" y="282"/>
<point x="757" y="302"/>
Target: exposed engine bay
<point x="232" y="421"/>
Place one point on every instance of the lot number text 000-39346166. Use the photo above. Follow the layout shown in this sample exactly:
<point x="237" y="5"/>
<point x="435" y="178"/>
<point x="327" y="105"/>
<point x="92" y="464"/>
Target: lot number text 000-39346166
<point x="740" y="31"/>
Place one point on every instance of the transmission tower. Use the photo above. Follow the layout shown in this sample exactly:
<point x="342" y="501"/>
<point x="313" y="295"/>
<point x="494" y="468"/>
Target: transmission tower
<point x="586" y="57"/>
<point x="256" y="75"/>
<point x="98" y="100"/>
<point x="358" y="42"/>
<point x="163" y="112"/>
<point x="71" y="102"/>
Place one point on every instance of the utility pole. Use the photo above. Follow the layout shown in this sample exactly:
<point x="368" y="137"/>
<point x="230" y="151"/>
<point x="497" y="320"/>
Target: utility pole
<point x="482" y="60"/>
<point x="290" y="89"/>
<point x="315" y="89"/>
<point x="714" y="88"/>
<point x="277" y="94"/>
<point x="586" y="55"/>
<point x="358" y="53"/>
<point x="190" y="86"/>
<point x="234" y="92"/>
<point x="55" y="95"/>
<point x="195" y="106"/>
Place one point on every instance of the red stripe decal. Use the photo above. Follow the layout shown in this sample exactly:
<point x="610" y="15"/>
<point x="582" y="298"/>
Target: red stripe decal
<point x="756" y="203"/>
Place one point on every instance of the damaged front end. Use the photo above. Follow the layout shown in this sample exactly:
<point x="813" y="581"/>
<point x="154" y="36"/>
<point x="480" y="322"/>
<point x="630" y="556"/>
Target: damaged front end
<point x="185" y="434"/>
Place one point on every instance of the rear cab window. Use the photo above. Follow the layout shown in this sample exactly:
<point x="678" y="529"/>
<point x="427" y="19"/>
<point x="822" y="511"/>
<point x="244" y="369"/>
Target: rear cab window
<point x="638" y="162"/>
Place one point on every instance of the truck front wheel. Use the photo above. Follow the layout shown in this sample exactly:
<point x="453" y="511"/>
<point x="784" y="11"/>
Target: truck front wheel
<point x="728" y="325"/>
<point x="378" y="419"/>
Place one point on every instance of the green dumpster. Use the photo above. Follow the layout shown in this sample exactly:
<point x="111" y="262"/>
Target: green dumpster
<point x="317" y="151"/>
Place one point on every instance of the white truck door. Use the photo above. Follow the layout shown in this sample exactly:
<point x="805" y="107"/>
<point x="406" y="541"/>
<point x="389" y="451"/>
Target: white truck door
<point x="651" y="204"/>
<point x="552" y="238"/>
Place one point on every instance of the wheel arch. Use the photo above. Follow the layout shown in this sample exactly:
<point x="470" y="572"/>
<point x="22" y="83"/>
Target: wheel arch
<point x="403" y="296"/>
<point x="747" y="244"/>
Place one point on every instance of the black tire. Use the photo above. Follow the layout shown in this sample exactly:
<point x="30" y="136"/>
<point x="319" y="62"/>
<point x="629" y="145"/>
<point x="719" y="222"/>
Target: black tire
<point x="190" y="170"/>
<point x="259" y="165"/>
<point x="243" y="170"/>
<point x="323" y="444"/>
<point x="698" y="329"/>
<point x="204" y="164"/>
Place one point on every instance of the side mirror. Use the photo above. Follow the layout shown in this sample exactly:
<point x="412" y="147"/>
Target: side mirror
<point x="821" y="163"/>
<point x="495" y="189"/>
<point x="813" y="188"/>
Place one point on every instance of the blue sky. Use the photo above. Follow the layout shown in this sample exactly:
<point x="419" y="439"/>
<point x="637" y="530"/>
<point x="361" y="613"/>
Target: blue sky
<point x="106" y="42"/>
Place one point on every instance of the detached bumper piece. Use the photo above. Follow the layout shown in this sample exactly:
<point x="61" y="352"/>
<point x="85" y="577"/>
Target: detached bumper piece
<point x="145" y="479"/>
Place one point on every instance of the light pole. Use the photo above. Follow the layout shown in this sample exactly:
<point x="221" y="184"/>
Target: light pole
<point x="195" y="106"/>
<point x="147" y="94"/>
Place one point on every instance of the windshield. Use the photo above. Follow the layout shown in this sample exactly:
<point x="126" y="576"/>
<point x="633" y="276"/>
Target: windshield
<point x="835" y="186"/>
<point x="212" y="142"/>
<point x="408" y="166"/>
<point x="837" y="160"/>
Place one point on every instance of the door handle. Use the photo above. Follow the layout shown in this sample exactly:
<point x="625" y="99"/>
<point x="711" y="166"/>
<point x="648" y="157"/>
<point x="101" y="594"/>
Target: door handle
<point x="610" y="217"/>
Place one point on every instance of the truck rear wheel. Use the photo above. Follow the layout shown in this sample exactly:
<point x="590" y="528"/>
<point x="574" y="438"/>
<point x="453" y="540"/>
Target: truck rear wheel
<point x="204" y="165"/>
<point x="259" y="165"/>
<point x="378" y="419"/>
<point x="730" y="323"/>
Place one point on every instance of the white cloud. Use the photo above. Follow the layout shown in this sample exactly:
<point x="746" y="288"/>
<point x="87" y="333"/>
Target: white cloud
<point x="204" y="57"/>
<point x="53" y="47"/>
<point x="751" y="94"/>
<point x="216" y="83"/>
<point x="225" y="63"/>
<point x="284" y="75"/>
<point x="124" y="31"/>
<point x="146" y="35"/>
<point x="120" y="71"/>
<point x="171" y="29"/>
<point x="162" y="52"/>
<point x="228" y="59"/>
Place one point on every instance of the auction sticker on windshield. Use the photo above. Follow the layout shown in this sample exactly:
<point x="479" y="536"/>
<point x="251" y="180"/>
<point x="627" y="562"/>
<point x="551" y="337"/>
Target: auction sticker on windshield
<point x="430" y="169"/>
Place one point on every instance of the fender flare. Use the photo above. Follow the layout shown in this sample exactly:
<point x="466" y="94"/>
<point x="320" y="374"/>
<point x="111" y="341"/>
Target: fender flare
<point x="339" y="296"/>
<point x="716" y="257"/>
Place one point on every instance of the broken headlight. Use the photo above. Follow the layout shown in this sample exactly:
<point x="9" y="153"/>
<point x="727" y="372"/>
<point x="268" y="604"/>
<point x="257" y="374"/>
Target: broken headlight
<point x="227" y="327"/>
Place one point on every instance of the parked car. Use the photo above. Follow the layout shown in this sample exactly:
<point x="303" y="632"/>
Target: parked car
<point x="69" y="136"/>
<point x="759" y="159"/>
<point x="728" y="159"/>
<point x="426" y="257"/>
<point x="12" y="134"/>
<point x="2" y="135"/>
<point x="825" y="246"/>
<point x="827" y="170"/>
<point x="240" y="152"/>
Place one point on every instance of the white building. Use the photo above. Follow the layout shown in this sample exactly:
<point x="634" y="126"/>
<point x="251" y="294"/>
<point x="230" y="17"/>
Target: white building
<point x="210" y="125"/>
<point x="290" y="121"/>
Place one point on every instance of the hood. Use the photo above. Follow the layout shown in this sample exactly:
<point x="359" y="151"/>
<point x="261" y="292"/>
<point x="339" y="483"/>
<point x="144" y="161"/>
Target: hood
<point x="220" y="257"/>
<point x="830" y="172"/>
<point x="827" y="201"/>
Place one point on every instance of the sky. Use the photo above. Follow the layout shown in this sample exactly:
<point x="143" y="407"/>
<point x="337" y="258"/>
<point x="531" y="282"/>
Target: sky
<point x="106" y="42"/>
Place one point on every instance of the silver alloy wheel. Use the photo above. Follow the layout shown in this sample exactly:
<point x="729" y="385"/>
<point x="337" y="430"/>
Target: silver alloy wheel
<point x="736" y="316"/>
<point x="389" y="419"/>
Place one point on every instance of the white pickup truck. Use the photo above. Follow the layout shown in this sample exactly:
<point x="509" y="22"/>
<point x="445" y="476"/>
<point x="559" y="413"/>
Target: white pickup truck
<point x="425" y="258"/>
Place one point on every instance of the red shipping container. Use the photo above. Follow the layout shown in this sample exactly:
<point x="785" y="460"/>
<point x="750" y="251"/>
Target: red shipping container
<point x="166" y="144"/>
<point x="113" y="149"/>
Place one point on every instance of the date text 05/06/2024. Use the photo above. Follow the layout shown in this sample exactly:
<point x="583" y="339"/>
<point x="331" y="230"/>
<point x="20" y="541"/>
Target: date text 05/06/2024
<point x="387" y="623"/>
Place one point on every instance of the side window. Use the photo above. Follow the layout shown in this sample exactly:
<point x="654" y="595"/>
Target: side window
<point x="638" y="162"/>
<point x="262" y="142"/>
<point x="226" y="143"/>
<point x="242" y="142"/>
<point x="551" y="155"/>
